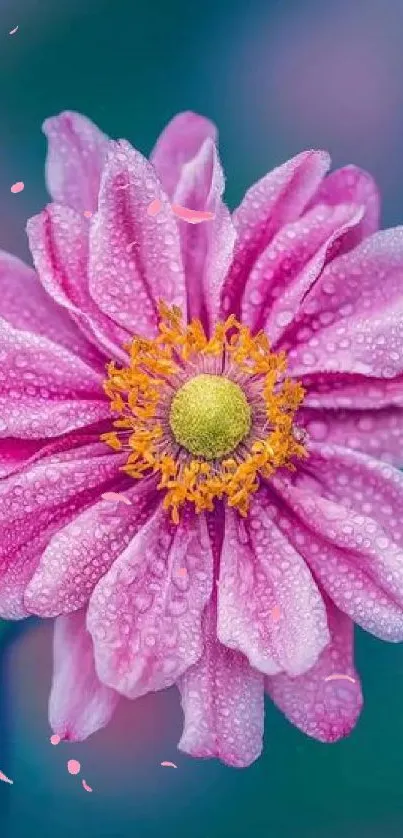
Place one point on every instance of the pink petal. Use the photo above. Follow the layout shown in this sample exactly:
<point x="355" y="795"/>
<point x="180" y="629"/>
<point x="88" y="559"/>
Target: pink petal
<point x="79" y="704"/>
<point x="351" y="555"/>
<point x="134" y="259"/>
<point x="277" y="199"/>
<point x="81" y="553"/>
<point x="260" y="570"/>
<point x="207" y="250"/>
<point x="355" y="311"/>
<point x="325" y="710"/>
<point x="76" y="153"/>
<point x="222" y="701"/>
<point x="180" y="141"/>
<point x="47" y="391"/>
<point x="351" y="185"/>
<point x="290" y="264"/>
<point x="144" y="617"/>
<point x="375" y="432"/>
<point x="25" y="305"/>
<point x="38" y="501"/>
<point x="58" y="239"/>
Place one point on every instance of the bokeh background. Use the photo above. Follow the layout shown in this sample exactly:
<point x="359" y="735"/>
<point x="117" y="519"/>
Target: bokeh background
<point x="277" y="76"/>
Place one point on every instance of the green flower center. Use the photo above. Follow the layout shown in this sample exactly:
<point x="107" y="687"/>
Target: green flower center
<point x="210" y="416"/>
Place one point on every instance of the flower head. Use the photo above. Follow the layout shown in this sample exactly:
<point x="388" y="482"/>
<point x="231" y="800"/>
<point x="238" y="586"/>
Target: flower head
<point x="239" y="383"/>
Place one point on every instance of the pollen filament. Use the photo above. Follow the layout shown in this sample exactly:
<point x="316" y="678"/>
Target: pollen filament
<point x="210" y="416"/>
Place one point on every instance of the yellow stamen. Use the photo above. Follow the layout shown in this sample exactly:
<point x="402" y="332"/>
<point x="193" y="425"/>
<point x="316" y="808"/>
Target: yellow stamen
<point x="164" y="401"/>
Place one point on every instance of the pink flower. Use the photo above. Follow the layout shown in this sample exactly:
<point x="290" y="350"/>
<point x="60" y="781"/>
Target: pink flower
<point x="236" y="575"/>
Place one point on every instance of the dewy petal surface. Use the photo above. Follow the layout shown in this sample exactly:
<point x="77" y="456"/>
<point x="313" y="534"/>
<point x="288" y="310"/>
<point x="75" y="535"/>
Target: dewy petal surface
<point x="291" y="263"/>
<point x="207" y="248"/>
<point x="277" y="199"/>
<point x="82" y="552"/>
<point x="45" y="390"/>
<point x="351" y="555"/>
<point x="351" y="321"/>
<point x="135" y="259"/>
<point x="352" y="185"/>
<point x="79" y="704"/>
<point x="58" y="239"/>
<point x="25" y="305"/>
<point x="35" y="503"/>
<point x="145" y="614"/>
<point x="179" y="143"/>
<point x="325" y="710"/>
<point x="378" y="433"/>
<point x="76" y="155"/>
<point x="261" y="574"/>
<point x="223" y="703"/>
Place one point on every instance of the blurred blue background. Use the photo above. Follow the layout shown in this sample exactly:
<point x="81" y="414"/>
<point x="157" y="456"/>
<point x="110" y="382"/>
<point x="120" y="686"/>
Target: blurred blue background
<point x="277" y="76"/>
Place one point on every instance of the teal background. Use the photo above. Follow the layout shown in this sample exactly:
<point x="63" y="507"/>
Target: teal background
<point x="276" y="77"/>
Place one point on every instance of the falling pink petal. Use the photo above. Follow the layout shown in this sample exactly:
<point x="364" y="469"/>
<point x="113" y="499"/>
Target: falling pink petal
<point x="6" y="779"/>
<point x="86" y="786"/>
<point x="116" y="496"/>
<point x="87" y="213"/>
<point x="154" y="207"/>
<point x="337" y="677"/>
<point x="13" y="31"/>
<point x="55" y="739"/>
<point x="192" y="216"/>
<point x="275" y="613"/>
<point x="17" y="187"/>
<point x="73" y="766"/>
<point x="169" y="765"/>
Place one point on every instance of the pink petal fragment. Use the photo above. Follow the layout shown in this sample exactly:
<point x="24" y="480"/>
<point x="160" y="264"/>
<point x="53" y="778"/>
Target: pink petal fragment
<point x="168" y="764"/>
<point x="180" y="141"/>
<point x="13" y="31"/>
<point x="316" y="702"/>
<point x="116" y="496"/>
<point x="340" y="677"/>
<point x="79" y="704"/>
<point x="17" y="187"/>
<point x="192" y="216"/>
<point x="155" y="207"/>
<point x="55" y="739"/>
<point x="73" y="766"/>
<point x="222" y="700"/>
<point x="6" y="779"/>
<point x="86" y="786"/>
<point x="145" y="620"/>
<point x="87" y="213"/>
<point x="260" y="570"/>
